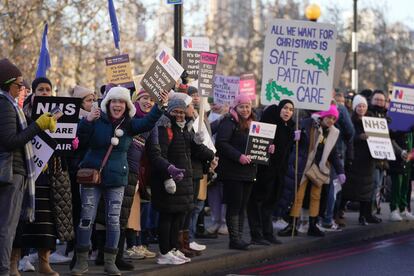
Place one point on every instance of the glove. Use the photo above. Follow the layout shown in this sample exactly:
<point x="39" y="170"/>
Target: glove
<point x="342" y="178"/>
<point x="404" y="155"/>
<point x="297" y="135"/>
<point x="175" y="173"/>
<point x="244" y="159"/>
<point x="170" y="186"/>
<point x="271" y="149"/>
<point x="45" y="168"/>
<point x="199" y="137"/>
<point x="75" y="143"/>
<point x="47" y="121"/>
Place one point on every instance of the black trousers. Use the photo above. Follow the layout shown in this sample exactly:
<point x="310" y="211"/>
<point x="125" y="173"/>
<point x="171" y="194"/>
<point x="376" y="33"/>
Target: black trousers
<point x="168" y="228"/>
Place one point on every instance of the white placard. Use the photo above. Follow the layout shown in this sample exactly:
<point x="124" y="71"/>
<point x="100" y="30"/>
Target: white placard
<point x="170" y="64"/>
<point x="42" y="152"/>
<point x="207" y="138"/>
<point x="379" y="141"/>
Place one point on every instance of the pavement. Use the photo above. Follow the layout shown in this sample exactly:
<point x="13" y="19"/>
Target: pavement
<point x="218" y="258"/>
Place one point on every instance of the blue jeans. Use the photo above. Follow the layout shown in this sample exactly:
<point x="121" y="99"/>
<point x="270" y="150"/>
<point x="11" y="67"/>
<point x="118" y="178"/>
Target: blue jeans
<point x="198" y="206"/>
<point x="330" y="206"/>
<point x="113" y="201"/>
<point x="378" y="180"/>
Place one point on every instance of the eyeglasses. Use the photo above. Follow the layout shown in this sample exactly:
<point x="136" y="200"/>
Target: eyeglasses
<point x="19" y="85"/>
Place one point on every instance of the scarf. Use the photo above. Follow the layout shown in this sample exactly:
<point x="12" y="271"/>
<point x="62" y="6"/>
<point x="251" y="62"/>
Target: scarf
<point x="28" y="207"/>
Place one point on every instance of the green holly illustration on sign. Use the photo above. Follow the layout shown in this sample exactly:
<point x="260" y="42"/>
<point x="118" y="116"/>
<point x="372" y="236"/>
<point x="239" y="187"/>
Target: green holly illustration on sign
<point x="322" y="63"/>
<point x="273" y="91"/>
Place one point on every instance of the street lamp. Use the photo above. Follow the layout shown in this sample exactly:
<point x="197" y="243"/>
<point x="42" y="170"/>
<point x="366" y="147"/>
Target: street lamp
<point x="313" y="12"/>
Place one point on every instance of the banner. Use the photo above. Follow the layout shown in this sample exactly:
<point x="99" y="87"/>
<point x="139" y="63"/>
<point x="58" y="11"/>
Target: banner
<point x="248" y="86"/>
<point x="67" y="125"/>
<point x="261" y="136"/>
<point x="43" y="149"/>
<point x="44" y="58"/>
<point x="225" y="89"/>
<point x="191" y="49"/>
<point x="118" y="71"/>
<point x="162" y="75"/>
<point x="401" y="110"/>
<point x="299" y="63"/>
<point x="207" y="70"/>
<point x="379" y="141"/>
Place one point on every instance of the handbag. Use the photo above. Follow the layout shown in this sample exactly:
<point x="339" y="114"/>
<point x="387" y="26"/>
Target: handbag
<point x="317" y="177"/>
<point x="88" y="176"/>
<point x="6" y="168"/>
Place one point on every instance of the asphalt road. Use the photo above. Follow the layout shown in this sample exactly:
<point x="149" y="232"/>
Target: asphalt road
<point x="392" y="256"/>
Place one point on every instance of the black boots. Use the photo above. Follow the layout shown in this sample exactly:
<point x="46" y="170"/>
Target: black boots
<point x="235" y="226"/>
<point x="314" y="229"/>
<point x="287" y="231"/>
<point x="120" y="261"/>
<point x="370" y="217"/>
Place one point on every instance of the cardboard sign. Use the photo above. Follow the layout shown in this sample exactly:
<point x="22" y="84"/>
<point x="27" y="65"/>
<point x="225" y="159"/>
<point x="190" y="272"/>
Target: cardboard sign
<point x="379" y="141"/>
<point x="225" y="89"/>
<point x="208" y="142"/>
<point x="401" y="110"/>
<point x="67" y="125"/>
<point x="261" y="136"/>
<point x="43" y="149"/>
<point x="118" y="71"/>
<point x="299" y="63"/>
<point x="162" y="75"/>
<point x="248" y="86"/>
<point x="207" y="69"/>
<point x="175" y="2"/>
<point x="192" y="47"/>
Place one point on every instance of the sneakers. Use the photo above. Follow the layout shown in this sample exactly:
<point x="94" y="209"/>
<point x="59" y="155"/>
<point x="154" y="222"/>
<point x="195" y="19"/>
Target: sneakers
<point x="223" y="229"/>
<point x="213" y="228"/>
<point x="197" y="247"/>
<point x="133" y="253"/>
<point x="169" y="258"/>
<point x="303" y="227"/>
<point x="405" y="215"/>
<point x="395" y="216"/>
<point x="25" y="265"/>
<point x="279" y="224"/>
<point x="144" y="251"/>
<point x="56" y="258"/>
<point x="177" y="253"/>
<point x="333" y="227"/>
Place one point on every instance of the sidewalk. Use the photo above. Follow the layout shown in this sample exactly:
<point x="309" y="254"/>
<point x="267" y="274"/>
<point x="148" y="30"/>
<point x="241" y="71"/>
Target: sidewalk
<point x="218" y="257"/>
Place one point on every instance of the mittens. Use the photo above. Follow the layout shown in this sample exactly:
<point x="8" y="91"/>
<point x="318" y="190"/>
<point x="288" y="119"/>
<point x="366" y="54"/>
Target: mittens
<point x="170" y="186"/>
<point x="175" y="173"/>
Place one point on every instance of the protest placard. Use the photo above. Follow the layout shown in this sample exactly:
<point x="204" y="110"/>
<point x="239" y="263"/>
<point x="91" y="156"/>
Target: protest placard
<point x="118" y="71"/>
<point x="261" y="136"/>
<point x="248" y="86"/>
<point x="298" y="63"/>
<point x="401" y="110"/>
<point x="379" y="141"/>
<point x="191" y="49"/>
<point x="162" y="74"/>
<point x="67" y="125"/>
<point x="207" y="70"/>
<point x="226" y="88"/>
<point x="43" y="147"/>
<point x="208" y="142"/>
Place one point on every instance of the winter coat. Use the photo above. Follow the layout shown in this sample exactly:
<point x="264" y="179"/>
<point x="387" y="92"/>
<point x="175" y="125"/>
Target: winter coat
<point x="399" y="166"/>
<point x="347" y="132"/>
<point x="359" y="174"/>
<point x="100" y="132"/>
<point x="231" y="143"/>
<point x="178" y="150"/>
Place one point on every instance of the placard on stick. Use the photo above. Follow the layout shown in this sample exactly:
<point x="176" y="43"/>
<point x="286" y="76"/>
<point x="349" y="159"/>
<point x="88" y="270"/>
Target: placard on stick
<point x="226" y="88"/>
<point x="261" y="136"/>
<point x="162" y="75"/>
<point x="43" y="148"/>
<point x="208" y="63"/>
<point x="299" y="63"/>
<point x="192" y="47"/>
<point x="118" y="71"/>
<point x="379" y="141"/>
<point x="401" y="110"/>
<point x="248" y="86"/>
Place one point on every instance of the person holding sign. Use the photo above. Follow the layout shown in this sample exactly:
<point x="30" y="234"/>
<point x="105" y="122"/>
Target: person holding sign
<point x="317" y="155"/>
<point x="114" y="126"/>
<point x="235" y="169"/>
<point x="270" y="179"/>
<point x="17" y="172"/>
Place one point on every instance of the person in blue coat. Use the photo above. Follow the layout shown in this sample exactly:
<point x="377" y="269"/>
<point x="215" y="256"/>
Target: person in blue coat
<point x="114" y="126"/>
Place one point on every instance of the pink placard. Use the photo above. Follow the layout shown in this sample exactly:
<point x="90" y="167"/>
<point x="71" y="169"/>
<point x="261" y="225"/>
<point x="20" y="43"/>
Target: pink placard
<point x="208" y="58"/>
<point x="248" y="85"/>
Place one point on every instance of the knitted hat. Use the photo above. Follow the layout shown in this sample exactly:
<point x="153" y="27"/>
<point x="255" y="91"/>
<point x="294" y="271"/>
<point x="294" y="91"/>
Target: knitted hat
<point x="333" y="111"/>
<point x="119" y="93"/>
<point x="81" y="92"/>
<point x="182" y="96"/>
<point x="38" y="81"/>
<point x="176" y="103"/>
<point x="242" y="99"/>
<point x="192" y="90"/>
<point x="8" y="72"/>
<point x="358" y="99"/>
<point x="142" y="93"/>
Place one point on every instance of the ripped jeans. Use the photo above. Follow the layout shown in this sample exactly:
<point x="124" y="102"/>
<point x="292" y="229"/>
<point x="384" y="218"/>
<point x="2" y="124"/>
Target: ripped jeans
<point x="90" y="198"/>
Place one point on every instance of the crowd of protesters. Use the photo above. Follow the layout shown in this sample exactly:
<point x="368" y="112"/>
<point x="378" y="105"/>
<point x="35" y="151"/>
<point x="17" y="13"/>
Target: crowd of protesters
<point x="161" y="172"/>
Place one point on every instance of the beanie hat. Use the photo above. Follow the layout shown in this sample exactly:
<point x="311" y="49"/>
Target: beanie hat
<point x="242" y="99"/>
<point x="8" y="72"/>
<point x="332" y="111"/>
<point x="183" y="88"/>
<point x="81" y="92"/>
<point x="358" y="99"/>
<point x="176" y="103"/>
<point x="182" y="96"/>
<point x="192" y="90"/>
<point x="142" y="93"/>
<point x="38" y="81"/>
<point x="119" y="93"/>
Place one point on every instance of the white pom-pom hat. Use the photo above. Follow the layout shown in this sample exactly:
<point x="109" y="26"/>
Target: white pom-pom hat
<point x="119" y="93"/>
<point x="358" y="99"/>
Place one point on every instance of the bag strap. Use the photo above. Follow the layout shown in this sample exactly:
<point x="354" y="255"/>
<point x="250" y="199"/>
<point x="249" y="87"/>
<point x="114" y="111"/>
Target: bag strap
<point x="108" y="152"/>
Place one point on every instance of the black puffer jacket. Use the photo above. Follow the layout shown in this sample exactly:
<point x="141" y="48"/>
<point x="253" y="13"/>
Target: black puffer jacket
<point x="178" y="149"/>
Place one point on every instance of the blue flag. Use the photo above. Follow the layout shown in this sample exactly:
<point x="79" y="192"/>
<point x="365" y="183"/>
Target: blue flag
<point x="114" y="23"/>
<point x="44" y="58"/>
